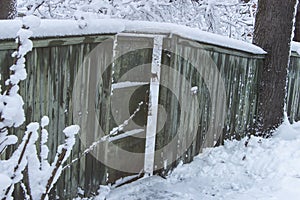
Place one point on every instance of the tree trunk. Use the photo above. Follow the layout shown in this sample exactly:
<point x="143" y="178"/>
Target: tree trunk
<point x="7" y="9"/>
<point x="272" y="32"/>
<point x="297" y="25"/>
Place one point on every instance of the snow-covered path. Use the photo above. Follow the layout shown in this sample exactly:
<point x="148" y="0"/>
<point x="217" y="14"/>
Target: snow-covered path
<point x="266" y="169"/>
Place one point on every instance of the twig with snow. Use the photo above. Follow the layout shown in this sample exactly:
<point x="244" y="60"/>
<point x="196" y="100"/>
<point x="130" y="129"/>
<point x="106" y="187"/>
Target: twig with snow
<point x="113" y="132"/>
<point x="20" y="155"/>
<point x="11" y="103"/>
<point x="62" y="155"/>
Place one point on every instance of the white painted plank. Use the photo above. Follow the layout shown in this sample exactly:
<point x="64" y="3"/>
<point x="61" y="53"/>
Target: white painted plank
<point x="153" y="106"/>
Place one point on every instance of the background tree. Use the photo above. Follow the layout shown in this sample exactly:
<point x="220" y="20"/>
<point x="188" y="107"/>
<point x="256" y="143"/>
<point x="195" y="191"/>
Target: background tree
<point x="272" y="32"/>
<point x="233" y="18"/>
<point x="297" y="25"/>
<point x="8" y="9"/>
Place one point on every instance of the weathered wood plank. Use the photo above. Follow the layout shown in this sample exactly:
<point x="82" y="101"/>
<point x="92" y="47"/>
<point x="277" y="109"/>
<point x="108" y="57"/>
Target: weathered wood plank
<point x="293" y="91"/>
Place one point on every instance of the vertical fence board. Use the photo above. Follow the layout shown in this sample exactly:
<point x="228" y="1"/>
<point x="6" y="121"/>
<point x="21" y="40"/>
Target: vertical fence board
<point x="293" y="88"/>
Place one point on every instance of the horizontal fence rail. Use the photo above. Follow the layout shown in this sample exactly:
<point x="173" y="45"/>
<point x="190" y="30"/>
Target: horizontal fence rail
<point x="106" y="84"/>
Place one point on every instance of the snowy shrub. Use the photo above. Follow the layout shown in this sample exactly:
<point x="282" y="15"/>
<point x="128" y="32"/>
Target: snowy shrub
<point x="41" y="174"/>
<point x="233" y="18"/>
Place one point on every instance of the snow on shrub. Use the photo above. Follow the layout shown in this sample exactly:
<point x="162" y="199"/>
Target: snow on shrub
<point x="41" y="174"/>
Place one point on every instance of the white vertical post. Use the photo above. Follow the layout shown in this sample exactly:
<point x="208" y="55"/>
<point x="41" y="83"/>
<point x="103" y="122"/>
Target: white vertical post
<point x="153" y="106"/>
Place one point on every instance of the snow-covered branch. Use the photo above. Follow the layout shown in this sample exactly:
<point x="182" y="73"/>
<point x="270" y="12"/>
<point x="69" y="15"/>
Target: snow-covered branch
<point x="12" y="112"/>
<point x="11" y="103"/>
<point x="62" y="155"/>
<point x="233" y="18"/>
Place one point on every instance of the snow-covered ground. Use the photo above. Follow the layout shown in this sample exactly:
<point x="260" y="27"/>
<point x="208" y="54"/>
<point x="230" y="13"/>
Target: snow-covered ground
<point x="267" y="169"/>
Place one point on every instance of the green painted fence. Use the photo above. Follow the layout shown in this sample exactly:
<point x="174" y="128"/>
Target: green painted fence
<point x="64" y="84"/>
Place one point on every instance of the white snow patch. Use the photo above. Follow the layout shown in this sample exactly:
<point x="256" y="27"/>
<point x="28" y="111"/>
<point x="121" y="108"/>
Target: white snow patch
<point x="103" y="191"/>
<point x="193" y="34"/>
<point x="287" y="131"/>
<point x="5" y="182"/>
<point x="126" y="134"/>
<point x="295" y="47"/>
<point x="31" y="21"/>
<point x="54" y="27"/>
<point x="126" y="84"/>
<point x="72" y="130"/>
<point x="194" y="90"/>
<point x="44" y="121"/>
<point x="32" y="127"/>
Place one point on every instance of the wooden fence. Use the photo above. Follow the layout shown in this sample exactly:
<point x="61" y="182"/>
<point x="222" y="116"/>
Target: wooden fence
<point x="293" y="88"/>
<point x="196" y="103"/>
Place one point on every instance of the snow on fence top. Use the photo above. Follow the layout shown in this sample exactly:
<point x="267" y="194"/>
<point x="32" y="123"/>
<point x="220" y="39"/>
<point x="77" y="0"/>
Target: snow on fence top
<point x="295" y="46"/>
<point x="51" y="27"/>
